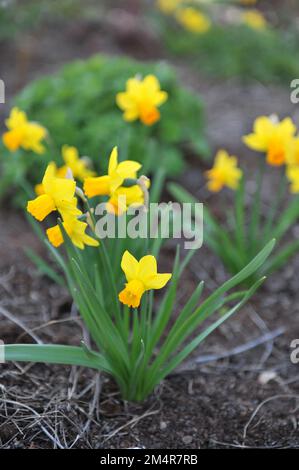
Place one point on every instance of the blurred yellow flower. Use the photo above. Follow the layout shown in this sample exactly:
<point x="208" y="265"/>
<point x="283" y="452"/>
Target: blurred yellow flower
<point x="292" y="158"/>
<point x="141" y="276"/>
<point x="23" y="133"/>
<point x="225" y="172"/>
<point x="75" y="230"/>
<point x="254" y="19"/>
<point x="193" y="20"/>
<point x="78" y="166"/>
<point x="141" y="100"/>
<point x="59" y="194"/>
<point x="168" y="6"/>
<point x="117" y="173"/>
<point x="293" y="177"/>
<point x="273" y="137"/>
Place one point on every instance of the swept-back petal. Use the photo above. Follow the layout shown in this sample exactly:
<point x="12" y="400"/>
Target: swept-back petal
<point x="129" y="265"/>
<point x="158" y="281"/>
<point x="128" y="169"/>
<point x="41" y="207"/>
<point x="113" y="161"/>
<point x="147" y="268"/>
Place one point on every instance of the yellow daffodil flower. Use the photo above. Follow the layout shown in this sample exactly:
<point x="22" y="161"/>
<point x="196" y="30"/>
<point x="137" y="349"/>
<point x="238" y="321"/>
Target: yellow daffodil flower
<point x="59" y="194"/>
<point x="59" y="173"/>
<point x="193" y="20"/>
<point x="78" y="166"/>
<point x="141" y="276"/>
<point x="254" y="19"/>
<point x="273" y="137"/>
<point x="123" y="198"/>
<point x="117" y="173"/>
<point x="23" y="133"/>
<point x="76" y="231"/>
<point x="141" y="100"/>
<point x="293" y="177"/>
<point x="225" y="172"/>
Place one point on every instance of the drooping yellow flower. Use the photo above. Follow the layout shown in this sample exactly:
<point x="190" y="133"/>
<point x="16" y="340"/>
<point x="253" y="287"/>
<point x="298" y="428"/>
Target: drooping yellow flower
<point x="117" y="172"/>
<point x="193" y="20"/>
<point x="168" y="6"/>
<point x="141" y="276"/>
<point x="141" y="100"/>
<point x="59" y="194"/>
<point x="76" y="231"/>
<point x="273" y="137"/>
<point x="293" y="177"/>
<point x="254" y="19"/>
<point x="123" y="198"/>
<point x="225" y="172"/>
<point x="23" y="133"/>
<point x="78" y="166"/>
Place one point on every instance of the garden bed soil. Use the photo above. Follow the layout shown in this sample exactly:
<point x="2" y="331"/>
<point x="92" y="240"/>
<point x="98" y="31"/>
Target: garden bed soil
<point x="244" y="400"/>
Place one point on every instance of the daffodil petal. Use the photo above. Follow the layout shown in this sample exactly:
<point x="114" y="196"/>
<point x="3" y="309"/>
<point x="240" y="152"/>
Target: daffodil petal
<point x="147" y="268"/>
<point x="113" y="161"/>
<point x="158" y="281"/>
<point x="129" y="265"/>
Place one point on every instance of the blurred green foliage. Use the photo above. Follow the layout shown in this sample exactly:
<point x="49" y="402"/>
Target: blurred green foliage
<point x="19" y="16"/>
<point x="77" y="106"/>
<point x="269" y="56"/>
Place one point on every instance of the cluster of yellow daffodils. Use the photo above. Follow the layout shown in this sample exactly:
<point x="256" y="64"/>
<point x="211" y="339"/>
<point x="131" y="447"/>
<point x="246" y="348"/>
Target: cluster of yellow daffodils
<point x="254" y="19"/>
<point x="57" y="192"/>
<point x="23" y="133"/>
<point x="277" y="139"/>
<point x="59" y="195"/>
<point x="73" y="164"/>
<point x="141" y="100"/>
<point x="111" y="185"/>
<point x="280" y="142"/>
<point x="141" y="276"/>
<point x="225" y="172"/>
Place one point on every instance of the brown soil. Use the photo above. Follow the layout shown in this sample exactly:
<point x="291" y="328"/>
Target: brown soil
<point x="246" y="399"/>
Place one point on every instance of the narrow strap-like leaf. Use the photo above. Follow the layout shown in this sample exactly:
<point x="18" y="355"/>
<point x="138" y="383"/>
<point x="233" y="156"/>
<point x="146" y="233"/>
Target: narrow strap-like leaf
<point x="55" y="354"/>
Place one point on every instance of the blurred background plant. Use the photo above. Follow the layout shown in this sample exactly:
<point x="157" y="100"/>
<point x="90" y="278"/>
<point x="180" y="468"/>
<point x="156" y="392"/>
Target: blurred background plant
<point x="247" y="226"/>
<point x="17" y="16"/>
<point x="230" y="38"/>
<point x="78" y="106"/>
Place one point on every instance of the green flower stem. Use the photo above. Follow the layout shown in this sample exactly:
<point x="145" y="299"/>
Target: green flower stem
<point x="275" y="206"/>
<point x="256" y="210"/>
